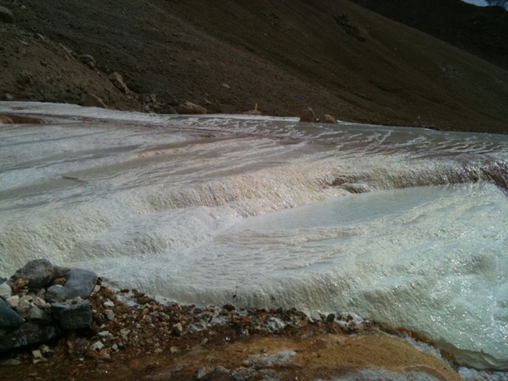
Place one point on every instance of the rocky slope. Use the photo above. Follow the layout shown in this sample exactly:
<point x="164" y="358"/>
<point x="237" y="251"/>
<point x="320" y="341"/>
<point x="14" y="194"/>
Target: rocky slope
<point x="334" y="56"/>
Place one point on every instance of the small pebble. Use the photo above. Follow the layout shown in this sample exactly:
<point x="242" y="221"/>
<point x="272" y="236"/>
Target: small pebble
<point x="109" y="303"/>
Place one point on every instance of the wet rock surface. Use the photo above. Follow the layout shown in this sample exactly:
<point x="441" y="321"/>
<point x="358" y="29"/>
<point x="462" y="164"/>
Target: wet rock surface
<point x="128" y="335"/>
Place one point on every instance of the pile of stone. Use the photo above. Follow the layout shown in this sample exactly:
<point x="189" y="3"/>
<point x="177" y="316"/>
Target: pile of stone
<point x="41" y="302"/>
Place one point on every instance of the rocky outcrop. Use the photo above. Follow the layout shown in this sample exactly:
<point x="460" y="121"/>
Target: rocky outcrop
<point x="40" y="301"/>
<point x="79" y="283"/>
<point x="190" y="108"/>
<point x="6" y="15"/>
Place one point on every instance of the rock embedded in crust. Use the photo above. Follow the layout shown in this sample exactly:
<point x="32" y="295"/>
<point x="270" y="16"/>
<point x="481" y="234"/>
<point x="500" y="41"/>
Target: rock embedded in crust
<point x="38" y="272"/>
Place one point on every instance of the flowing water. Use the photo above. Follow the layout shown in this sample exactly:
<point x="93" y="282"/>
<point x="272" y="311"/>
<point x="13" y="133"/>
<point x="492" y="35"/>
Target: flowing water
<point x="407" y="227"/>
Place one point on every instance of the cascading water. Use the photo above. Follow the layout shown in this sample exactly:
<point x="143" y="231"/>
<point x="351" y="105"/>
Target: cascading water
<point x="403" y="226"/>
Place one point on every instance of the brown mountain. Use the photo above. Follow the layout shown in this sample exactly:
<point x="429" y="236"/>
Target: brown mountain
<point x="332" y="55"/>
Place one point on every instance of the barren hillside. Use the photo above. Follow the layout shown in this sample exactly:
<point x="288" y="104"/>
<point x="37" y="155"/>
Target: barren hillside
<point x="334" y="56"/>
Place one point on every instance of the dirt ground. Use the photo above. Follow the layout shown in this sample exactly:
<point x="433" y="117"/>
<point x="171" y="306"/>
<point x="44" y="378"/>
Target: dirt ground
<point x="151" y="341"/>
<point x="228" y="56"/>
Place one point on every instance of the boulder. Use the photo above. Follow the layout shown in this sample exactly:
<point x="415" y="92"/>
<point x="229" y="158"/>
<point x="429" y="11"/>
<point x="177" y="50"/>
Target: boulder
<point x="118" y="82"/>
<point x="8" y="317"/>
<point x="190" y="108"/>
<point x="73" y="314"/>
<point x="25" y="335"/>
<point x="6" y="15"/>
<point x="308" y="116"/>
<point x="38" y="273"/>
<point x="329" y="119"/>
<point x="88" y="60"/>
<point x="79" y="283"/>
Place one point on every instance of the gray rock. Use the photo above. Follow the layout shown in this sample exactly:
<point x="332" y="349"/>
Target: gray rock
<point x="74" y="314"/>
<point x="110" y="315"/>
<point x="60" y="272"/>
<point x="97" y="346"/>
<point x="8" y="97"/>
<point x="25" y="335"/>
<point x="243" y="374"/>
<point x="56" y="293"/>
<point x="8" y="317"/>
<point x="80" y="283"/>
<point x="39" y="316"/>
<point x="279" y="359"/>
<point x="6" y="15"/>
<point x="5" y="290"/>
<point x="38" y="273"/>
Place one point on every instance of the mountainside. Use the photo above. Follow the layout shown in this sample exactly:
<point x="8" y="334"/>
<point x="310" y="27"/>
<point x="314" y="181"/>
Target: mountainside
<point x="480" y="31"/>
<point x="332" y="55"/>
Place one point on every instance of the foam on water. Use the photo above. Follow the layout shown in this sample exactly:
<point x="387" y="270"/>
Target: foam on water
<point x="403" y="226"/>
